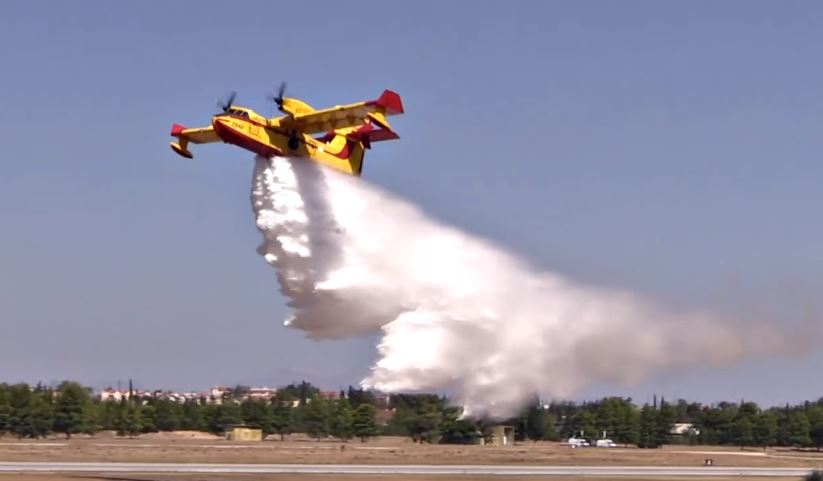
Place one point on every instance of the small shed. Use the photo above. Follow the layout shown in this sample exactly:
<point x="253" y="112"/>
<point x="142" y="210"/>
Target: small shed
<point x="501" y="435"/>
<point x="244" y="433"/>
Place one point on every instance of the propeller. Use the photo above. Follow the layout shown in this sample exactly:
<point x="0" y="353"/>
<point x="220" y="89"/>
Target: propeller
<point x="225" y="105"/>
<point x="278" y="99"/>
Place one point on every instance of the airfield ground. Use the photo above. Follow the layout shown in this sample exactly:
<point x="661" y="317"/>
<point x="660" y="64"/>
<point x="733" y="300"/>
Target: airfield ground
<point x="310" y="477"/>
<point x="200" y="448"/>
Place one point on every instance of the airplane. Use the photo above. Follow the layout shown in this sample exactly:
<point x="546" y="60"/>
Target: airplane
<point x="336" y="137"/>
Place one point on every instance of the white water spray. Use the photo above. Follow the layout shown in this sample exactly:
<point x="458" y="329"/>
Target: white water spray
<point x="457" y="313"/>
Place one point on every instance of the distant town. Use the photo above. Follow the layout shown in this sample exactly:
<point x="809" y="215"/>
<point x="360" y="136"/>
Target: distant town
<point x="215" y="394"/>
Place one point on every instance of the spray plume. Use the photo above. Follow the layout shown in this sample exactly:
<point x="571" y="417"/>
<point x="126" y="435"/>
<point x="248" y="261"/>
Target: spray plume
<point x="457" y="313"/>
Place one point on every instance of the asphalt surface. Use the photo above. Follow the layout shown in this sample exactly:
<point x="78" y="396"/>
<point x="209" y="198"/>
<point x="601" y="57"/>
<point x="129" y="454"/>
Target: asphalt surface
<point x="28" y="467"/>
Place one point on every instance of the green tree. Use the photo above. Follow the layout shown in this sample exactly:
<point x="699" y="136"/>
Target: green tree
<point x="219" y="417"/>
<point x="342" y="420"/>
<point x="584" y="422"/>
<point x="357" y="397"/>
<point x="457" y="430"/>
<point x="168" y="415"/>
<point x="743" y="432"/>
<point x="281" y="418"/>
<point x="32" y="411"/>
<point x="129" y="419"/>
<point x="539" y="424"/>
<point x="715" y="424"/>
<point x="6" y="414"/>
<point x="365" y="422"/>
<point x="797" y="429"/>
<point x="815" y="416"/>
<point x="107" y="414"/>
<point x="628" y="419"/>
<point x="192" y="415"/>
<point x="664" y="422"/>
<point x="316" y="417"/>
<point x="748" y="410"/>
<point x="647" y="430"/>
<point x="302" y="392"/>
<point x="764" y="431"/>
<point x="148" y="418"/>
<point x="90" y="419"/>
<point x="72" y="399"/>
<point x="6" y="411"/>
<point x="424" y="424"/>
<point x="256" y="412"/>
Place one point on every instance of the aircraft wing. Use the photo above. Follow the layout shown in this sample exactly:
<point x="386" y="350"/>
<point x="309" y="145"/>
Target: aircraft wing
<point x="201" y="135"/>
<point x="343" y="116"/>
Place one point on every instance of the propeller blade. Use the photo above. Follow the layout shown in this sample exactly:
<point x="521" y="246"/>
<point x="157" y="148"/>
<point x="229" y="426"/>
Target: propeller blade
<point x="281" y="91"/>
<point x="278" y="99"/>
<point x="225" y="105"/>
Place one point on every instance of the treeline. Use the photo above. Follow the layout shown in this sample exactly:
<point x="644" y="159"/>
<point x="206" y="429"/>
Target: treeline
<point x="653" y="425"/>
<point x="70" y="408"/>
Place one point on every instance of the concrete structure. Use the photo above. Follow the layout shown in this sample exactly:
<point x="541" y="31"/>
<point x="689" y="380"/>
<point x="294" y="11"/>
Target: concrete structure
<point x="501" y="436"/>
<point x="244" y="433"/>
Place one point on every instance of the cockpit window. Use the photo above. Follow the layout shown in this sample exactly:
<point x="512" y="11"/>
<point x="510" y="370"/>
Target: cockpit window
<point x="238" y="113"/>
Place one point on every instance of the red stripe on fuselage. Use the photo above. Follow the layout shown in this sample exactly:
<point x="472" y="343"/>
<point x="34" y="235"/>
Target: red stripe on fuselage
<point x="232" y="136"/>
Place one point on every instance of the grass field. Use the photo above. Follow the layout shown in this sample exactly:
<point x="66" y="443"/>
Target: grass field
<point x="199" y="448"/>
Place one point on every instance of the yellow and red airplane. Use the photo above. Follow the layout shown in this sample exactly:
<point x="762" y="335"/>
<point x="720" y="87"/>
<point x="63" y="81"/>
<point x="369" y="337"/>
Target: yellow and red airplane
<point x="347" y="130"/>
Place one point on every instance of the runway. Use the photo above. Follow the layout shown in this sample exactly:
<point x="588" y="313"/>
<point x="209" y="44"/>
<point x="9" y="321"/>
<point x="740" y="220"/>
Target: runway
<point x="508" y="470"/>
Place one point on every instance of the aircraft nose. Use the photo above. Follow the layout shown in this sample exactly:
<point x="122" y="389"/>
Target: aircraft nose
<point x="220" y="125"/>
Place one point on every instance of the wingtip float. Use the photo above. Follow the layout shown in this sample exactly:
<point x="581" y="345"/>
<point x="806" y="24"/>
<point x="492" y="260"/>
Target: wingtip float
<point x="336" y="137"/>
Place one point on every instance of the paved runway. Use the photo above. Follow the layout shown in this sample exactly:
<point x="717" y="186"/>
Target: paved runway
<point x="510" y="470"/>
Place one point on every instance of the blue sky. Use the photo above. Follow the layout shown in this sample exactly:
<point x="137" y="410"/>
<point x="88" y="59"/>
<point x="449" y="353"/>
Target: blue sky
<point x="672" y="148"/>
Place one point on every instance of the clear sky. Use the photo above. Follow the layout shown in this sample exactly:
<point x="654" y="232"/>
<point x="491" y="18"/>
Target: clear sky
<point x="672" y="148"/>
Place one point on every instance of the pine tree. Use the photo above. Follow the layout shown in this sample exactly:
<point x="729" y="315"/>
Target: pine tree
<point x="148" y="419"/>
<point x="168" y="415"/>
<point x="281" y="418"/>
<point x="5" y="418"/>
<point x="365" y="422"/>
<point x="129" y="420"/>
<point x="342" y="420"/>
<point x="90" y="419"/>
<point x="626" y="430"/>
<point x="256" y="413"/>
<point x="742" y="429"/>
<point x="585" y="422"/>
<point x="764" y="431"/>
<point x="192" y="415"/>
<point x="72" y="399"/>
<point x="815" y="416"/>
<point x="316" y="417"/>
<point x="647" y="432"/>
<point x="424" y="424"/>
<point x="797" y="429"/>
<point x="664" y="422"/>
<point x="535" y="423"/>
